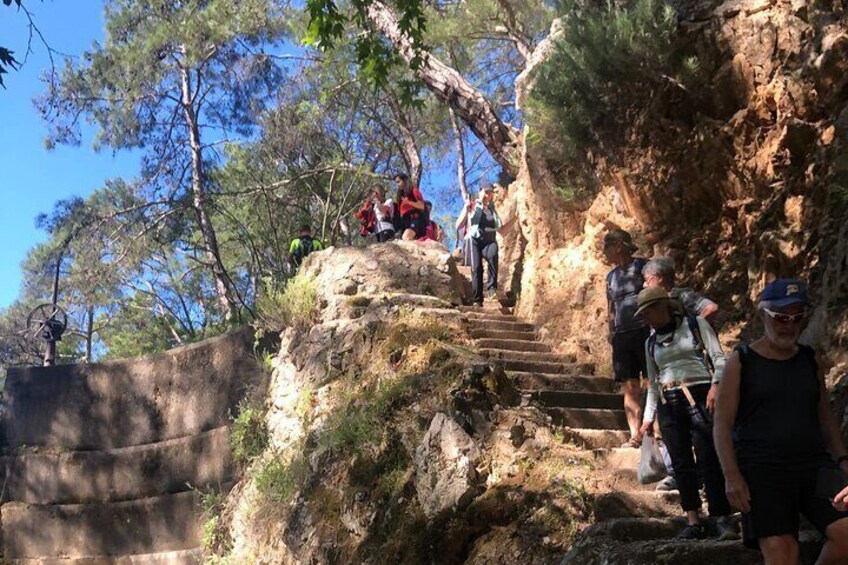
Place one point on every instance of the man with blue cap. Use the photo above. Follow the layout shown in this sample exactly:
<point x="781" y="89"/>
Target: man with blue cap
<point x="780" y="446"/>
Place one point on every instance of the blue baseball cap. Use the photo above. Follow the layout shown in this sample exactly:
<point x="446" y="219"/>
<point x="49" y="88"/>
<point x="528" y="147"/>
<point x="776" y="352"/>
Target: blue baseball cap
<point x="783" y="292"/>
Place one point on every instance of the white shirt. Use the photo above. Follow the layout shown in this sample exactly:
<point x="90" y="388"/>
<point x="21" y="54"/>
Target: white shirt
<point x="384" y="221"/>
<point x="676" y="359"/>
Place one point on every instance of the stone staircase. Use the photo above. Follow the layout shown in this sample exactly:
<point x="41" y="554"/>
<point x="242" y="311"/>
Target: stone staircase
<point x="634" y="524"/>
<point x="101" y="461"/>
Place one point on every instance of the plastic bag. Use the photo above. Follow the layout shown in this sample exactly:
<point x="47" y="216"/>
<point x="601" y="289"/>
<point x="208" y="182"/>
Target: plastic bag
<point x="651" y="464"/>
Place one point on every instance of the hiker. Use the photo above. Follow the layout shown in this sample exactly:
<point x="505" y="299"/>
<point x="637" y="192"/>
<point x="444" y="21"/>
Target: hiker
<point x="780" y="446"/>
<point x="303" y="245"/>
<point x="627" y="334"/>
<point x="384" y="228"/>
<point x="367" y="218"/>
<point x="684" y="362"/>
<point x="483" y="226"/>
<point x="432" y="231"/>
<point x="411" y="206"/>
<point x="463" y="241"/>
<point x="660" y="271"/>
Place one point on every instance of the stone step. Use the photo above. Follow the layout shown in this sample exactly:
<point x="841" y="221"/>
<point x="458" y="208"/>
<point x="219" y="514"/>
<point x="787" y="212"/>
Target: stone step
<point x="102" y="406"/>
<point x="151" y="525"/>
<point x="637" y="504"/>
<point x="127" y="473"/>
<point x="593" y="418"/>
<point x="544" y="367"/>
<point x="571" y="399"/>
<point x="489" y="306"/>
<point x="533" y="356"/>
<point x="628" y="541"/>
<point x="486" y="316"/>
<point x="623" y="458"/>
<point x="545" y="381"/>
<point x="185" y="557"/>
<point x="513" y="345"/>
<point x="591" y="438"/>
<point x="502" y="326"/>
<point x="501" y="334"/>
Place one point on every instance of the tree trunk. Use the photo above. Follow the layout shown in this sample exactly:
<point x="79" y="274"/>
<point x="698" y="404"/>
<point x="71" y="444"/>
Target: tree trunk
<point x="449" y="86"/>
<point x="460" y="156"/>
<point x="89" y="332"/>
<point x="411" y="154"/>
<point x="200" y="203"/>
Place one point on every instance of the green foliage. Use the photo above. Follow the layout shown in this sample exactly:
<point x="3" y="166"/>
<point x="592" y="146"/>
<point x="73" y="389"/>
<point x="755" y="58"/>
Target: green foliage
<point x="216" y="538"/>
<point x="375" y="55"/>
<point x="609" y="56"/>
<point x="249" y="435"/>
<point x="293" y="305"/>
<point x="279" y="478"/>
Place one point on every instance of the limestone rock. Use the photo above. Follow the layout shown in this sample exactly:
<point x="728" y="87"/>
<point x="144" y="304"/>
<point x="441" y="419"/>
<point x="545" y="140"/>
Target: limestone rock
<point x="445" y="467"/>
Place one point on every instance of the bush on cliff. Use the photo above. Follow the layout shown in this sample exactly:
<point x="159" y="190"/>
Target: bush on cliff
<point x="607" y="54"/>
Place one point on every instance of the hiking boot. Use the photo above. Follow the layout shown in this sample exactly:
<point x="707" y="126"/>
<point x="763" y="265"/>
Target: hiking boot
<point x="692" y="532"/>
<point x="727" y="530"/>
<point x="668" y="484"/>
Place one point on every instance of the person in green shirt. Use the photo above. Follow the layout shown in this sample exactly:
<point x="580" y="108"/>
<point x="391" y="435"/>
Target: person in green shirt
<point x="303" y="245"/>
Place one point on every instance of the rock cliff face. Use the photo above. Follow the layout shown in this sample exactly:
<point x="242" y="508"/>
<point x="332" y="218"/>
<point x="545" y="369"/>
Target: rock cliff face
<point x="740" y="182"/>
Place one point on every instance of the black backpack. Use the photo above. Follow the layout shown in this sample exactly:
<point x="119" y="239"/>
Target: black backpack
<point x="304" y="247"/>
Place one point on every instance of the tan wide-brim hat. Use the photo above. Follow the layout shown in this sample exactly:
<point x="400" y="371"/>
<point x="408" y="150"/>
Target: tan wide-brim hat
<point x="649" y="296"/>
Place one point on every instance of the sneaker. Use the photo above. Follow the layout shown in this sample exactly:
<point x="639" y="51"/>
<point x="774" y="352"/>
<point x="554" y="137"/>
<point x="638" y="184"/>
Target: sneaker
<point x="727" y="530"/>
<point x="692" y="532"/>
<point x="493" y="292"/>
<point x="668" y="484"/>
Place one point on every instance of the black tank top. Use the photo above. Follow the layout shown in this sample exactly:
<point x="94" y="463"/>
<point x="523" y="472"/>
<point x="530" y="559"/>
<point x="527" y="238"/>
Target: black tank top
<point x="777" y="424"/>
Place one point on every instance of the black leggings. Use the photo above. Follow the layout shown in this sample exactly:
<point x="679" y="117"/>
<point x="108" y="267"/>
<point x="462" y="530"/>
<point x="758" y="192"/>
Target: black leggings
<point x="481" y="250"/>
<point x="681" y="432"/>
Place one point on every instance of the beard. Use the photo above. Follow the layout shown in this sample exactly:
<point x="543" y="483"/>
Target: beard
<point x="782" y="340"/>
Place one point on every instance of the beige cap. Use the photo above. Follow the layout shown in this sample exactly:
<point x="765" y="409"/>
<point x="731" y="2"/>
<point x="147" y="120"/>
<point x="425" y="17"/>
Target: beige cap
<point x="650" y="295"/>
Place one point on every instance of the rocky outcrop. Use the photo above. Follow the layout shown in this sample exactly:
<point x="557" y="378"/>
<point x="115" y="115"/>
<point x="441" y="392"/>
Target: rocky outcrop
<point x="446" y="477"/>
<point x="739" y="182"/>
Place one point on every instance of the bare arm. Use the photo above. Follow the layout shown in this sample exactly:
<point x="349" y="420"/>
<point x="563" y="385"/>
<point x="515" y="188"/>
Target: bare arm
<point x="463" y="217"/>
<point x="726" y="408"/>
<point x="709" y="312"/>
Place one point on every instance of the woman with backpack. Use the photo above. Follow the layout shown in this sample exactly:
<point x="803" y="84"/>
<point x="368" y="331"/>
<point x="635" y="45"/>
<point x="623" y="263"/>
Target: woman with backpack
<point x="780" y="446"/>
<point x="685" y="363"/>
<point x="483" y="226"/>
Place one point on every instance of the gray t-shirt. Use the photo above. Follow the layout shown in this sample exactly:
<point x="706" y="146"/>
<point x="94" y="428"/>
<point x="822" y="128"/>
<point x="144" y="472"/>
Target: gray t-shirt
<point x="693" y="303"/>
<point x="623" y="286"/>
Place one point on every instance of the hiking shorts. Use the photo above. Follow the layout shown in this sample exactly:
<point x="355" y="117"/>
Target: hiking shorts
<point x="628" y="354"/>
<point x="778" y="497"/>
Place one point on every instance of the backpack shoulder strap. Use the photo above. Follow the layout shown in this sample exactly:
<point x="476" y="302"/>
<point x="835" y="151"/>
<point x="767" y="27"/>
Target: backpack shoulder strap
<point x="652" y="348"/>
<point x="698" y="342"/>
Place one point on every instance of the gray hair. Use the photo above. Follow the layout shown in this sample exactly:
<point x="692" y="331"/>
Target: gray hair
<point x="662" y="267"/>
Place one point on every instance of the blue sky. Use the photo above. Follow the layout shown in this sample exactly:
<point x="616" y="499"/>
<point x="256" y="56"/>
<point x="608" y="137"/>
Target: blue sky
<point x="32" y="179"/>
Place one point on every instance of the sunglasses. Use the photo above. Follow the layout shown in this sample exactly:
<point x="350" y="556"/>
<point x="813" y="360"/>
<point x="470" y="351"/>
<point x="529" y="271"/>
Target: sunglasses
<point x="786" y="318"/>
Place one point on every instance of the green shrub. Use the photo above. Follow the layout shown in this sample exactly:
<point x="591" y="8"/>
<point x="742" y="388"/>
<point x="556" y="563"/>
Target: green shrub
<point x="249" y="436"/>
<point x="292" y="305"/>
<point x="609" y="53"/>
<point x="279" y="478"/>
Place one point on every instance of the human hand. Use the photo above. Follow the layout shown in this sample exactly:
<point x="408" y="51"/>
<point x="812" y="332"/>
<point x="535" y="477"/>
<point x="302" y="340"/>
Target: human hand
<point x="840" y="501"/>
<point x="646" y="427"/>
<point x="711" y="398"/>
<point x="737" y="492"/>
